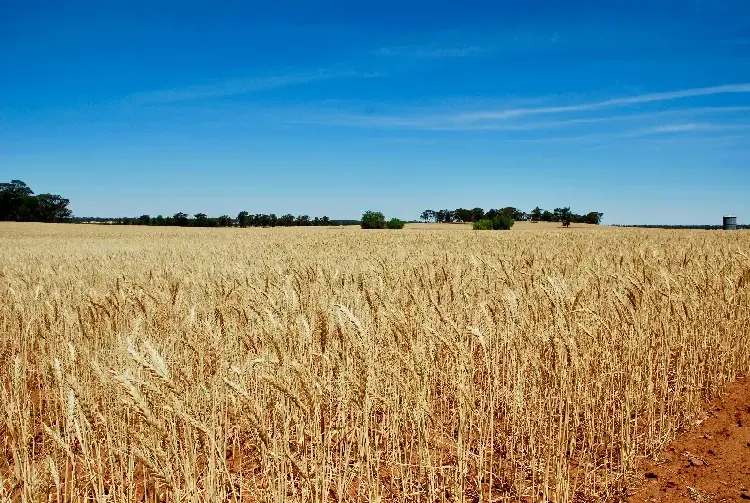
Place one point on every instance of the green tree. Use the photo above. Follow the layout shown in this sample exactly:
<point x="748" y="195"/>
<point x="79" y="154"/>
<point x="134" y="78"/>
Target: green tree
<point x="18" y="202"/>
<point x="463" y="214"/>
<point x="444" y="216"/>
<point x="13" y="196"/>
<point x="536" y="214"/>
<point x="477" y="214"/>
<point x="53" y="208"/>
<point x="372" y="220"/>
<point x="483" y="225"/>
<point x="395" y="223"/>
<point x="561" y="214"/>
<point x="144" y="220"/>
<point x="243" y="218"/>
<point x="201" y="220"/>
<point x="225" y="221"/>
<point x="509" y="211"/>
<point x="502" y="222"/>
<point x="181" y="219"/>
<point x="594" y="217"/>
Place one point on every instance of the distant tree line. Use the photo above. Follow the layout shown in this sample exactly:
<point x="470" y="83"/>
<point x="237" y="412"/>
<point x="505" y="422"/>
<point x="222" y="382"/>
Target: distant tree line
<point x="536" y="215"/>
<point x="243" y="219"/>
<point x="18" y="203"/>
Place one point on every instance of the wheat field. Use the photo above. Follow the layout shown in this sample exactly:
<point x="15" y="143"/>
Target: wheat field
<point x="325" y="364"/>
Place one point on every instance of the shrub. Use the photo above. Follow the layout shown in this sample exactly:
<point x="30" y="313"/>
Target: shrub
<point x="483" y="225"/>
<point x="395" y="223"/>
<point x="373" y="220"/>
<point x="502" y="223"/>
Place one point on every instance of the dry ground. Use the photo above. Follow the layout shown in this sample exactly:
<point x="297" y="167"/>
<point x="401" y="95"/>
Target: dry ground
<point x="710" y="461"/>
<point x="270" y="365"/>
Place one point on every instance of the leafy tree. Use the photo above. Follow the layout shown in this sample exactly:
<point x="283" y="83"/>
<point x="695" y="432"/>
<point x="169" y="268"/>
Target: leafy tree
<point x="52" y="208"/>
<point x="536" y="214"/>
<point x="502" y="223"/>
<point x="243" y="218"/>
<point x="444" y="216"/>
<point x="463" y="214"/>
<point x="287" y="220"/>
<point x="477" y="214"/>
<point x="12" y="197"/>
<point x="372" y="220"/>
<point x="18" y="202"/>
<point x="395" y="223"/>
<point x="561" y="214"/>
<point x="509" y="211"/>
<point x="483" y="225"/>
<point x="594" y="218"/>
<point x="16" y="188"/>
<point x="427" y="215"/>
<point x="547" y="216"/>
<point x="325" y="220"/>
<point x="201" y="220"/>
<point x="144" y="220"/>
<point x="181" y="219"/>
<point x="225" y="221"/>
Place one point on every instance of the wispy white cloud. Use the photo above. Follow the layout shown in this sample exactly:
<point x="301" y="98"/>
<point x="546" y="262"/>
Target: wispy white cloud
<point x="610" y="120"/>
<point x="668" y="132"/>
<point x="238" y="87"/>
<point x="610" y="103"/>
<point x="432" y="51"/>
<point x="687" y="127"/>
<point x="455" y="122"/>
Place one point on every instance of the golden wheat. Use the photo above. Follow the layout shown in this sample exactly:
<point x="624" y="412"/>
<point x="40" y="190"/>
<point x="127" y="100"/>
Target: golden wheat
<point x="167" y="364"/>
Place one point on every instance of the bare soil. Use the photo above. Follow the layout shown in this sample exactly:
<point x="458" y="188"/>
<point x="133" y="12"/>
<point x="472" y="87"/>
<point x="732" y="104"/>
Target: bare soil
<point x="709" y="463"/>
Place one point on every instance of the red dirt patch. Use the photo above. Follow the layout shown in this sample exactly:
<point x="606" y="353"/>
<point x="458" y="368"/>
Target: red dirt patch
<point x="709" y="463"/>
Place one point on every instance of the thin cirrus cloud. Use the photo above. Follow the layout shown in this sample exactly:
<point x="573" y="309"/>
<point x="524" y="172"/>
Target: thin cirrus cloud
<point x="517" y="119"/>
<point x="611" y="103"/>
<point x="429" y="51"/>
<point x="238" y="87"/>
<point x="450" y="123"/>
<point x="687" y="127"/>
<point x="665" y="132"/>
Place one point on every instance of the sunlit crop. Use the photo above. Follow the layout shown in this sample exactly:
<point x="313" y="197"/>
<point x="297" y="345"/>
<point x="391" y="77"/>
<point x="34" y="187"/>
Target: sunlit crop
<point x="334" y="364"/>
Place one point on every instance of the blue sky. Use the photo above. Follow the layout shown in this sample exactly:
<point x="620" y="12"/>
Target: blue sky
<point x="640" y="109"/>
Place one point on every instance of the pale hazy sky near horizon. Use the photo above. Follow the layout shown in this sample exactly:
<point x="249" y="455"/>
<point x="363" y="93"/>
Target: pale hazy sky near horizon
<point x="640" y="110"/>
